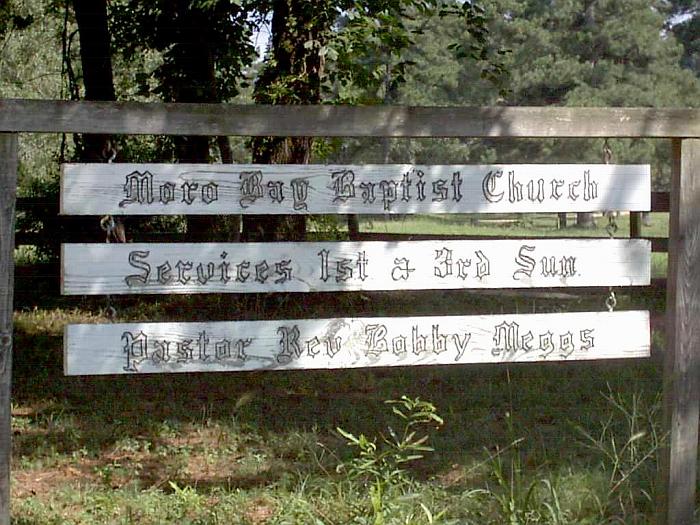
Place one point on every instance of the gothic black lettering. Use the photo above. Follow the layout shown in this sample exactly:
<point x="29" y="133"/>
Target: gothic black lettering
<point x="535" y="195"/>
<point x="572" y="190"/>
<point x="343" y="185"/>
<point x="163" y="273"/>
<point x="136" y="350"/>
<point x="439" y="190"/>
<point x="251" y="187"/>
<point x="389" y="193"/>
<point x="546" y="344"/>
<point x="401" y="270"/>
<point x="419" y="342"/>
<point x="202" y="342"/>
<point x="312" y="345"/>
<point x="161" y="352"/>
<point x="242" y="272"/>
<point x="361" y="266"/>
<point x="182" y="269"/>
<point x="515" y="189"/>
<point x="556" y="185"/>
<point x="289" y="343"/>
<point x="284" y="271"/>
<point x="376" y="339"/>
<point x="261" y="270"/>
<point x="184" y="351"/>
<point x="420" y="186"/>
<point x="205" y="273"/>
<point x="398" y="345"/>
<point x="274" y="190"/>
<point x="300" y="192"/>
<point x="187" y="189"/>
<point x="224" y="268"/>
<point x="444" y="258"/>
<point x="367" y="194"/>
<point x="590" y="188"/>
<point x="167" y="193"/>
<point x="405" y="187"/>
<point x="461" y="344"/>
<point x="488" y="186"/>
<point x="566" y="344"/>
<point x="483" y="265"/>
<point x="456" y="186"/>
<point x="324" y="264"/>
<point x="439" y="340"/>
<point x="525" y="262"/>
<point x="210" y="193"/>
<point x="506" y="338"/>
<point x="343" y="270"/>
<point x="587" y="341"/>
<point x="138" y="189"/>
<point x="142" y="278"/>
<point x="333" y="346"/>
<point x="463" y="268"/>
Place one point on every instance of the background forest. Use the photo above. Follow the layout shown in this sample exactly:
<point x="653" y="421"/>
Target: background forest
<point x="573" y="443"/>
<point x="411" y="52"/>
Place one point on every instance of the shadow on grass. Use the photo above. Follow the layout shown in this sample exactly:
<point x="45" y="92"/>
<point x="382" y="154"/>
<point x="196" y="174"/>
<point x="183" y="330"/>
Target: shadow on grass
<point x="89" y="416"/>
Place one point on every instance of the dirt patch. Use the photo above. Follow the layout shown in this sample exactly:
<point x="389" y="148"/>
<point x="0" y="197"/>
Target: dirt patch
<point x="259" y="511"/>
<point x="42" y="482"/>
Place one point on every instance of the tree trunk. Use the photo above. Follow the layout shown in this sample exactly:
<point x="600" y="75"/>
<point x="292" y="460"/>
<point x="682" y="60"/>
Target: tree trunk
<point x="585" y="220"/>
<point x="96" y="61"/>
<point x="194" y="82"/>
<point x="292" y="75"/>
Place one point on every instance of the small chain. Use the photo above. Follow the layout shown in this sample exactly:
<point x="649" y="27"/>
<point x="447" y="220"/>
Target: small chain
<point x="611" y="301"/>
<point x="607" y="152"/>
<point x="114" y="231"/>
<point x="611" y="228"/>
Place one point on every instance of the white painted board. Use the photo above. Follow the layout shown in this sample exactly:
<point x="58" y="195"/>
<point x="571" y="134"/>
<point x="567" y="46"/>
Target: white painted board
<point x="211" y="189"/>
<point x="89" y="269"/>
<point x="352" y="342"/>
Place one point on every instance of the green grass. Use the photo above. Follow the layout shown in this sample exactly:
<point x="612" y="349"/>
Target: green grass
<point x="507" y="225"/>
<point x="529" y="443"/>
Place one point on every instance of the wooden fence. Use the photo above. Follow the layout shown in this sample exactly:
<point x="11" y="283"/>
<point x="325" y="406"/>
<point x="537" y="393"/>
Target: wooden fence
<point x="348" y="342"/>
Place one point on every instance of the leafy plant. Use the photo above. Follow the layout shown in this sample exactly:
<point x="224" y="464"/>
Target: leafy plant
<point x="381" y="462"/>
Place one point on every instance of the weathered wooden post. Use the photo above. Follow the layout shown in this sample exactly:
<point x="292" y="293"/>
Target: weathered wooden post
<point x="682" y="360"/>
<point x="8" y="185"/>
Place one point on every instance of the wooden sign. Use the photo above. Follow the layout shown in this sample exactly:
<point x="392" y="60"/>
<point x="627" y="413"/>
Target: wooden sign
<point x="352" y="342"/>
<point x="210" y="189"/>
<point x="344" y="266"/>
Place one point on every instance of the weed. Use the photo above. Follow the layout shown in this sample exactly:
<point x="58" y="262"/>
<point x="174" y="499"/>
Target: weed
<point x="627" y="444"/>
<point x="381" y="461"/>
<point x="520" y="499"/>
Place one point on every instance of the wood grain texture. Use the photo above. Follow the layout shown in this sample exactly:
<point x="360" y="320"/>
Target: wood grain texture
<point x="352" y="342"/>
<point x="196" y="189"/>
<point x="682" y="358"/>
<point x="8" y="188"/>
<point x="138" y="268"/>
<point x="55" y="116"/>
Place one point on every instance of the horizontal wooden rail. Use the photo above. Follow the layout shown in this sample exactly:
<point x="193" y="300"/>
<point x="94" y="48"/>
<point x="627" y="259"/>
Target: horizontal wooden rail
<point x="56" y="116"/>
<point x="660" y="201"/>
